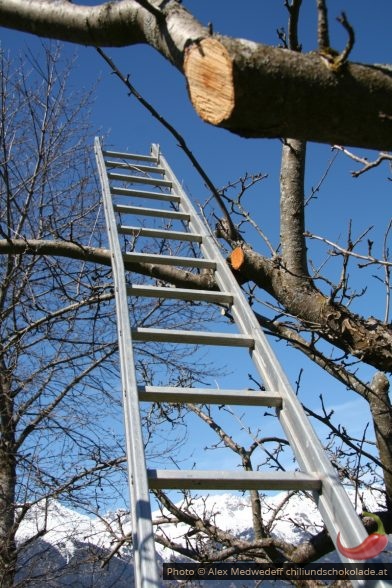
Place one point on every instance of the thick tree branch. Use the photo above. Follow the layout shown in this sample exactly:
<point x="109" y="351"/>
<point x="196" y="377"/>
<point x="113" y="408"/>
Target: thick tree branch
<point x="321" y="543"/>
<point x="380" y="406"/>
<point x="345" y="377"/>
<point x="368" y="339"/>
<point x="254" y="549"/>
<point x="251" y="89"/>
<point x="180" y="278"/>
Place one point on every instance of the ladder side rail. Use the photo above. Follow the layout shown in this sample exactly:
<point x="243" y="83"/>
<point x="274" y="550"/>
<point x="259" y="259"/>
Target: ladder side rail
<point x="145" y="565"/>
<point x="334" y="504"/>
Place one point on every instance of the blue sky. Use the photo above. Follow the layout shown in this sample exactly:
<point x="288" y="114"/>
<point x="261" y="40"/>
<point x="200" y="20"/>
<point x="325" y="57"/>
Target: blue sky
<point x="366" y="200"/>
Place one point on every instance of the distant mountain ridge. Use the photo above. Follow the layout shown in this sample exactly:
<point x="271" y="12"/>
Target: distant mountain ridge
<point x="71" y="551"/>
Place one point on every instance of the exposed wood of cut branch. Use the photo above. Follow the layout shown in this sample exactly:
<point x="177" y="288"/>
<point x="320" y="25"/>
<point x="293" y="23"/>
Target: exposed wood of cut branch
<point x="271" y="92"/>
<point x="208" y="69"/>
<point x="237" y="258"/>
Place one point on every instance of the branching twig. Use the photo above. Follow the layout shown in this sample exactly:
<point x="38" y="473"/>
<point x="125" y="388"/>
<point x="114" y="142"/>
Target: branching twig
<point x="342" y="435"/>
<point x="309" y="349"/>
<point x="367" y="165"/>
<point x="316" y="188"/>
<point x="293" y="10"/>
<point x="344" y="55"/>
<point x="341" y="250"/>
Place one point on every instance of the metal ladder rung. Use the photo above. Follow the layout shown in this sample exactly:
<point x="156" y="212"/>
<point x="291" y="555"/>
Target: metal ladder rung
<point x="159" y="233"/>
<point x="151" y="158"/>
<point x="192" y="337"/>
<point x="139" y="180"/>
<point x="135" y="167"/>
<point x="152" y="212"/>
<point x="180" y="294"/>
<point x="209" y="396"/>
<point x="169" y="260"/>
<point x="226" y="480"/>
<point x="145" y="194"/>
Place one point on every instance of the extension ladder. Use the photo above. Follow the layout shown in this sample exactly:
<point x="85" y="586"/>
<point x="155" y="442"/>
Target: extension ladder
<point x="316" y="474"/>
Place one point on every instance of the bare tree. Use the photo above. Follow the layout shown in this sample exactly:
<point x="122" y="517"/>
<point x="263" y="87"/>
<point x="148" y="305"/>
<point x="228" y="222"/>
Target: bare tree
<point x="49" y="367"/>
<point x="60" y="415"/>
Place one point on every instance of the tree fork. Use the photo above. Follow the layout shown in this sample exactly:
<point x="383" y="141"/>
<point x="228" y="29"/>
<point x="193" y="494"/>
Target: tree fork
<point x="365" y="338"/>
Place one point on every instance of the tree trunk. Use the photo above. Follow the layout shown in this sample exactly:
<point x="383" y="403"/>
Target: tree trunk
<point x="381" y="410"/>
<point x="7" y="485"/>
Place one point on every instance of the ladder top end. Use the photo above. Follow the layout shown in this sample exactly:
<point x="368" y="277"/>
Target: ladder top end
<point x="156" y="151"/>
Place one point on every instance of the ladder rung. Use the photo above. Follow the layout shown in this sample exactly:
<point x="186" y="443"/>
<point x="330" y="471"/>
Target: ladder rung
<point x="180" y="294"/>
<point x="139" y="180"/>
<point x="160" y="233"/>
<point x="144" y="194"/>
<point x="209" y="396"/>
<point x="135" y="167"/>
<point x="230" y="480"/>
<point x="169" y="260"/>
<point x="152" y="212"/>
<point x="151" y="158"/>
<point x="193" y="337"/>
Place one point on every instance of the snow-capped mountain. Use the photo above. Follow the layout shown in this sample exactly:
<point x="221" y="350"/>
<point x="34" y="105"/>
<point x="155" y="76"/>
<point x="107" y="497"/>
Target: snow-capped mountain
<point x="72" y="546"/>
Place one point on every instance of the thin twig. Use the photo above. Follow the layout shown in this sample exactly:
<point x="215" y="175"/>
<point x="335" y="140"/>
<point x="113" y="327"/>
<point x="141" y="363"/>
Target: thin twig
<point x="363" y="160"/>
<point x="125" y="80"/>
<point x="344" y="55"/>
<point x="317" y="188"/>
<point x="368" y="258"/>
<point x="360" y="453"/>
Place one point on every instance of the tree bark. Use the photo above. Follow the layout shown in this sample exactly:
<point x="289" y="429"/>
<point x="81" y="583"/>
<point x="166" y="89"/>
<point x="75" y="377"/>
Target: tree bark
<point x="7" y="483"/>
<point x="380" y="406"/>
<point x="263" y="91"/>
<point x="367" y="339"/>
<point x="292" y="210"/>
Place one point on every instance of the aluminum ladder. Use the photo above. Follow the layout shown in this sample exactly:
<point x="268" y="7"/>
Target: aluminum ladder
<point x="316" y="473"/>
